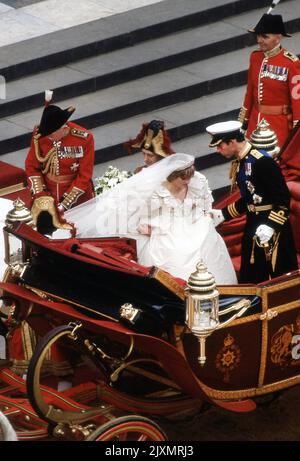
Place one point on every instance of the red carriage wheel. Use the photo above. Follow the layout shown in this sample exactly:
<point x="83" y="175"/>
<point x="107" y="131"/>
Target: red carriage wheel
<point x="128" y="428"/>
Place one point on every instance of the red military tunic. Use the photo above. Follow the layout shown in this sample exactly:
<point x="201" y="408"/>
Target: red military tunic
<point x="273" y="92"/>
<point x="64" y="168"/>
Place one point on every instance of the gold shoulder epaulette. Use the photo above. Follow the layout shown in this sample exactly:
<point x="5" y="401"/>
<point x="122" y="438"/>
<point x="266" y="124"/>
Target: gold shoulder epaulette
<point x="256" y="154"/>
<point x="291" y="56"/>
<point x="79" y="133"/>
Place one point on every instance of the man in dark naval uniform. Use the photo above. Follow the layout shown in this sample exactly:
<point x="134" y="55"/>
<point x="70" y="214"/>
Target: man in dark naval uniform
<point x="268" y="248"/>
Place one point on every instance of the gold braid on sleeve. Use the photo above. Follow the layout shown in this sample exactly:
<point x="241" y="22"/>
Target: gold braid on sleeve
<point x="71" y="198"/>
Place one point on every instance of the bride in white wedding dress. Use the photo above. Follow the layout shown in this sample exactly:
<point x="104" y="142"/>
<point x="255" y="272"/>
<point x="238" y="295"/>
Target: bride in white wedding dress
<point x="166" y="208"/>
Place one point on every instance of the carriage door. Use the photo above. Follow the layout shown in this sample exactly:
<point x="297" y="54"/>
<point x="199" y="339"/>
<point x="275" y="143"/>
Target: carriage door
<point x="280" y="353"/>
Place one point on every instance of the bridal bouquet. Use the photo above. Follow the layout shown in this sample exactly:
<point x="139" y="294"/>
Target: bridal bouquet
<point x="109" y="179"/>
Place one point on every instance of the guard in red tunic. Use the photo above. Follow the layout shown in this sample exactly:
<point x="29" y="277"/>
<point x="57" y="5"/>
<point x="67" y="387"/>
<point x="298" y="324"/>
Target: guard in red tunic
<point x="61" y="159"/>
<point x="273" y="88"/>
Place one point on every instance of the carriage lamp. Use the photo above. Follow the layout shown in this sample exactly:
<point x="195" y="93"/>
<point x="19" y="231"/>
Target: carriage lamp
<point x="202" y="306"/>
<point x="14" y="247"/>
<point x="263" y="137"/>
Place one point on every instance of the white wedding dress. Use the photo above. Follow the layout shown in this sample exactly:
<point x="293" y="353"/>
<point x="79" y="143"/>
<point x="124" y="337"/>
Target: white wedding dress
<point x="183" y="233"/>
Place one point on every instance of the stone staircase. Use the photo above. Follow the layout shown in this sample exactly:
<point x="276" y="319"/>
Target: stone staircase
<point x="181" y="62"/>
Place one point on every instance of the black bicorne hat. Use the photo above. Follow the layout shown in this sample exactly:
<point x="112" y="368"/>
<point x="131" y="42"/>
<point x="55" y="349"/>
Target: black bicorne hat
<point x="153" y="137"/>
<point x="53" y="118"/>
<point x="270" y="24"/>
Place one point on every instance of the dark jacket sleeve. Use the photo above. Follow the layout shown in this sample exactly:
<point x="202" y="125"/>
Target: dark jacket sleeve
<point x="275" y="191"/>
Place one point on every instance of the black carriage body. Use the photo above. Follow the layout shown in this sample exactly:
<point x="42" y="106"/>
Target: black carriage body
<point x="97" y="288"/>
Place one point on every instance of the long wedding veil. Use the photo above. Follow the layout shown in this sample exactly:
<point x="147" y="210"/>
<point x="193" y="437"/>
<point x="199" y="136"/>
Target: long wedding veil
<point x="117" y="210"/>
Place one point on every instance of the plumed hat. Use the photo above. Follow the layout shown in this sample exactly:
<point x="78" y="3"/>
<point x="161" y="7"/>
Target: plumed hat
<point x="153" y="137"/>
<point x="223" y="131"/>
<point x="270" y="24"/>
<point x="46" y="216"/>
<point x="53" y="118"/>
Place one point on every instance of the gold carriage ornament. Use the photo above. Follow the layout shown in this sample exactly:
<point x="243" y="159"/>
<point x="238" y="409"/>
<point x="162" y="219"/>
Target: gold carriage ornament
<point x="14" y="247"/>
<point x="202" y="307"/>
<point x="263" y="137"/>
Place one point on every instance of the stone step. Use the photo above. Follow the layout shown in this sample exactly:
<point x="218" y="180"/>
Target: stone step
<point x="215" y="168"/>
<point x="154" y="93"/>
<point x="186" y="128"/>
<point x="107" y="34"/>
<point x="153" y="98"/>
<point x="144" y="59"/>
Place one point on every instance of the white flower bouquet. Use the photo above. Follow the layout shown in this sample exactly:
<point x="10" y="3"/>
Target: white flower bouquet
<point x="109" y="179"/>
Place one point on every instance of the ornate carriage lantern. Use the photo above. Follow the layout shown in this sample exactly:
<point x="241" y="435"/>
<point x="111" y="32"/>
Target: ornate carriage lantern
<point x="14" y="251"/>
<point x="264" y="138"/>
<point x="202" y="306"/>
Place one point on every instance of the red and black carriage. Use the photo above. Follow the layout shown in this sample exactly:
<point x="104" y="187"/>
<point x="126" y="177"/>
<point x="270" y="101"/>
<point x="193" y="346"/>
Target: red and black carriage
<point x="133" y="342"/>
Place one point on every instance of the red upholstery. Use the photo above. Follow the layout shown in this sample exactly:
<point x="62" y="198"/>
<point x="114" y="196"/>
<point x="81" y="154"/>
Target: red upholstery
<point x="11" y="175"/>
<point x="232" y="231"/>
<point x="14" y="178"/>
<point x="294" y="187"/>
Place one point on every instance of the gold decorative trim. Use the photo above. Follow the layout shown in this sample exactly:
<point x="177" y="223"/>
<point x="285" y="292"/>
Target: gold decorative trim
<point x="263" y="353"/>
<point x="11" y="189"/>
<point x="168" y="281"/>
<point x="256" y="154"/>
<point x="71" y="302"/>
<point x="264" y="300"/>
<point x="291" y="56"/>
<point x="241" y="321"/>
<point x="28" y="340"/>
<point x="19" y="367"/>
<point x="287" y="307"/>
<point x="242" y="114"/>
<point x="79" y="133"/>
<point x="254" y="208"/>
<point x="251" y="392"/>
<point x="237" y="290"/>
<point x="246" y="149"/>
<point x="47" y="203"/>
<point x="279" y="287"/>
<point x="278" y="217"/>
<point x="283" y="284"/>
<point x="72" y="197"/>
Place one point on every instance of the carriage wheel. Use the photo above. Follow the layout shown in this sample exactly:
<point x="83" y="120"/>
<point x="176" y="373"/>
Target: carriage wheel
<point x="46" y="411"/>
<point x="128" y="428"/>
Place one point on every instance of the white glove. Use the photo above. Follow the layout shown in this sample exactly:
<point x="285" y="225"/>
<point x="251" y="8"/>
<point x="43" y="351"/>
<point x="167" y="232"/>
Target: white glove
<point x="217" y="217"/>
<point x="264" y="233"/>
